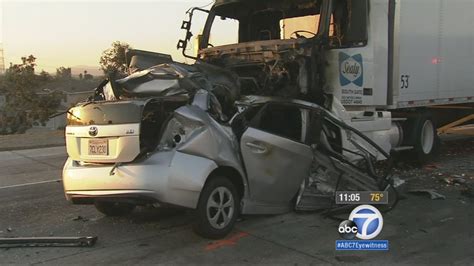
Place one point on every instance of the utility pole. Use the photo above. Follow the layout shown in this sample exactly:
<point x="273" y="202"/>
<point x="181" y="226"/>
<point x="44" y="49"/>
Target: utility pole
<point x="2" y="60"/>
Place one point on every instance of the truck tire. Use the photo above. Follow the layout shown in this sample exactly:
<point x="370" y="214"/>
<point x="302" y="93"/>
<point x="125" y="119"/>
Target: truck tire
<point x="217" y="209"/>
<point x="114" y="208"/>
<point x="426" y="142"/>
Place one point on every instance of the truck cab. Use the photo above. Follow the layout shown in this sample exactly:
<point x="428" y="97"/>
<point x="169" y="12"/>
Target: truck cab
<point x="331" y="52"/>
<point x="302" y="48"/>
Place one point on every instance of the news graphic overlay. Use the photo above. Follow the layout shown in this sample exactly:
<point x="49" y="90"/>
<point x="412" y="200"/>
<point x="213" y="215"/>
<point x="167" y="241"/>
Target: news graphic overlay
<point x="365" y="223"/>
<point x="348" y="229"/>
<point x="369" y="221"/>
<point x="362" y="197"/>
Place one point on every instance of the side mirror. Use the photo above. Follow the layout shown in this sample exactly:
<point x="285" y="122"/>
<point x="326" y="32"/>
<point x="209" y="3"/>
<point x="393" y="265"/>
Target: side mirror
<point x="186" y="25"/>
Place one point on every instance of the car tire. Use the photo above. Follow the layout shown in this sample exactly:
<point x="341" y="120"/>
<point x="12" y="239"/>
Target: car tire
<point x="114" y="208"/>
<point x="426" y="139"/>
<point x="218" y="208"/>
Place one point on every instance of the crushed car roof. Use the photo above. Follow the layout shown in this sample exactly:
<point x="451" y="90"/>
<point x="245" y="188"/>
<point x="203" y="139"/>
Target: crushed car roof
<point x="256" y="100"/>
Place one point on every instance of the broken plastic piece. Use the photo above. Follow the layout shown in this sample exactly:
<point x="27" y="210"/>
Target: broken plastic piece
<point x="397" y="182"/>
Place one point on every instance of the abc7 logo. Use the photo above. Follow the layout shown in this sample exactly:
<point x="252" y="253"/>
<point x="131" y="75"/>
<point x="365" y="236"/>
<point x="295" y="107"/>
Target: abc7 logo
<point x="365" y="222"/>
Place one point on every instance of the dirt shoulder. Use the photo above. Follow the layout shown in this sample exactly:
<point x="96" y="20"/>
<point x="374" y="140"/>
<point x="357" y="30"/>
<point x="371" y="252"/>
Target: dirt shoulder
<point x="35" y="138"/>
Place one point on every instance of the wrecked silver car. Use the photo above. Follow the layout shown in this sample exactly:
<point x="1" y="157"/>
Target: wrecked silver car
<point x="178" y="146"/>
<point x="238" y="132"/>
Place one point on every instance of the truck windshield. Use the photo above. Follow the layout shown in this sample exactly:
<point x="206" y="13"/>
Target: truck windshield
<point x="224" y="31"/>
<point x="306" y="26"/>
<point x="245" y="21"/>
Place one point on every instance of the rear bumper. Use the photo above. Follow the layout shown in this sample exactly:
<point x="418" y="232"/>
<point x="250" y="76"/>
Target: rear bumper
<point x="130" y="196"/>
<point x="169" y="177"/>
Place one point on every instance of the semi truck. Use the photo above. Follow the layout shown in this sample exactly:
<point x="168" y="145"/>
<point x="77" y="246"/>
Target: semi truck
<point x="383" y="66"/>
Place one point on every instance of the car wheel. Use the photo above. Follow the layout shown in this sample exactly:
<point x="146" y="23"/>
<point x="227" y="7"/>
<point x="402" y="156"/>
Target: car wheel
<point x="217" y="209"/>
<point x="114" y="208"/>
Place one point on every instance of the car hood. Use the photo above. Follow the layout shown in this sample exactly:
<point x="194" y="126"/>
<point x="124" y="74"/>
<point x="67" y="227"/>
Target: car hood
<point x="176" y="79"/>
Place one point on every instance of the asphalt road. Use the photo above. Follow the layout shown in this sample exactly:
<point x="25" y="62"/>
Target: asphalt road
<point x="32" y="203"/>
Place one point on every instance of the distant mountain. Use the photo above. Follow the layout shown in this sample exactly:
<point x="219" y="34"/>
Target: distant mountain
<point x="93" y="70"/>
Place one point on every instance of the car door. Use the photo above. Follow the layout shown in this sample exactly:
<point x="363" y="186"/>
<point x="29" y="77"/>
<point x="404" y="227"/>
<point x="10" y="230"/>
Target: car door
<point x="274" y="156"/>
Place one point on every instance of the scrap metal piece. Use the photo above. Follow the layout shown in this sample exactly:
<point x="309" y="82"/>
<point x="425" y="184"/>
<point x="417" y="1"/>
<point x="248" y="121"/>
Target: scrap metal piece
<point x="331" y="175"/>
<point x="18" y="242"/>
<point x="397" y="182"/>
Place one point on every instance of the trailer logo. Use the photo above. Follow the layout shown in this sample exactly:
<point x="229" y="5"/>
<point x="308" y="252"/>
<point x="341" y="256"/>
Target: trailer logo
<point x="351" y="69"/>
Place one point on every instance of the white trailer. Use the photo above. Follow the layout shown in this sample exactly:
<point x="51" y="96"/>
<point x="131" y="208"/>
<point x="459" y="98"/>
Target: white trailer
<point x="418" y="54"/>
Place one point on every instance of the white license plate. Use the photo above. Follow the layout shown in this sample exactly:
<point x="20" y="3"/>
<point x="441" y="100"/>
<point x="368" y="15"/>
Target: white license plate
<point x="98" y="147"/>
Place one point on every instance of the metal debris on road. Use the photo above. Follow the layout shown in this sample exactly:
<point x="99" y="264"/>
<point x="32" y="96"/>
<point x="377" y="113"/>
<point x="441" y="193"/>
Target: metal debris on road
<point x="468" y="191"/>
<point x="455" y="180"/>
<point x="18" y="242"/>
<point x="397" y="182"/>
<point x="433" y="194"/>
<point x="80" y="218"/>
<point x="446" y="219"/>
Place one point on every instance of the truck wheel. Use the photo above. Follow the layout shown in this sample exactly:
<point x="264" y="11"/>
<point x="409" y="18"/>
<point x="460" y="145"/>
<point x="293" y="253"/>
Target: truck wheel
<point x="217" y="209"/>
<point x="114" y="208"/>
<point x="426" y="138"/>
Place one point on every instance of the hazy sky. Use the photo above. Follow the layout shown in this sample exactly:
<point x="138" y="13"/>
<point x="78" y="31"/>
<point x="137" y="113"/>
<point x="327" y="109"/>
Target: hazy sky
<point x="71" y="33"/>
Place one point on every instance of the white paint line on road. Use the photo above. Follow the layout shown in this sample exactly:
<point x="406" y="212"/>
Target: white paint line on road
<point x="31" y="184"/>
<point x="41" y="152"/>
<point x="33" y="153"/>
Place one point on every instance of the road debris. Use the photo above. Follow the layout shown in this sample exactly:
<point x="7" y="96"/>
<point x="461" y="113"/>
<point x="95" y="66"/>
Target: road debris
<point x="433" y="194"/>
<point x="455" y="179"/>
<point x="447" y="219"/>
<point x="468" y="191"/>
<point x="80" y="218"/>
<point x="18" y="242"/>
<point x="397" y="182"/>
<point x="430" y="167"/>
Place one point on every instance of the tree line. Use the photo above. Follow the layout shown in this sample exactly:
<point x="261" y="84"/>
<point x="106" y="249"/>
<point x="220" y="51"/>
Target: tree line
<point x="26" y="103"/>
